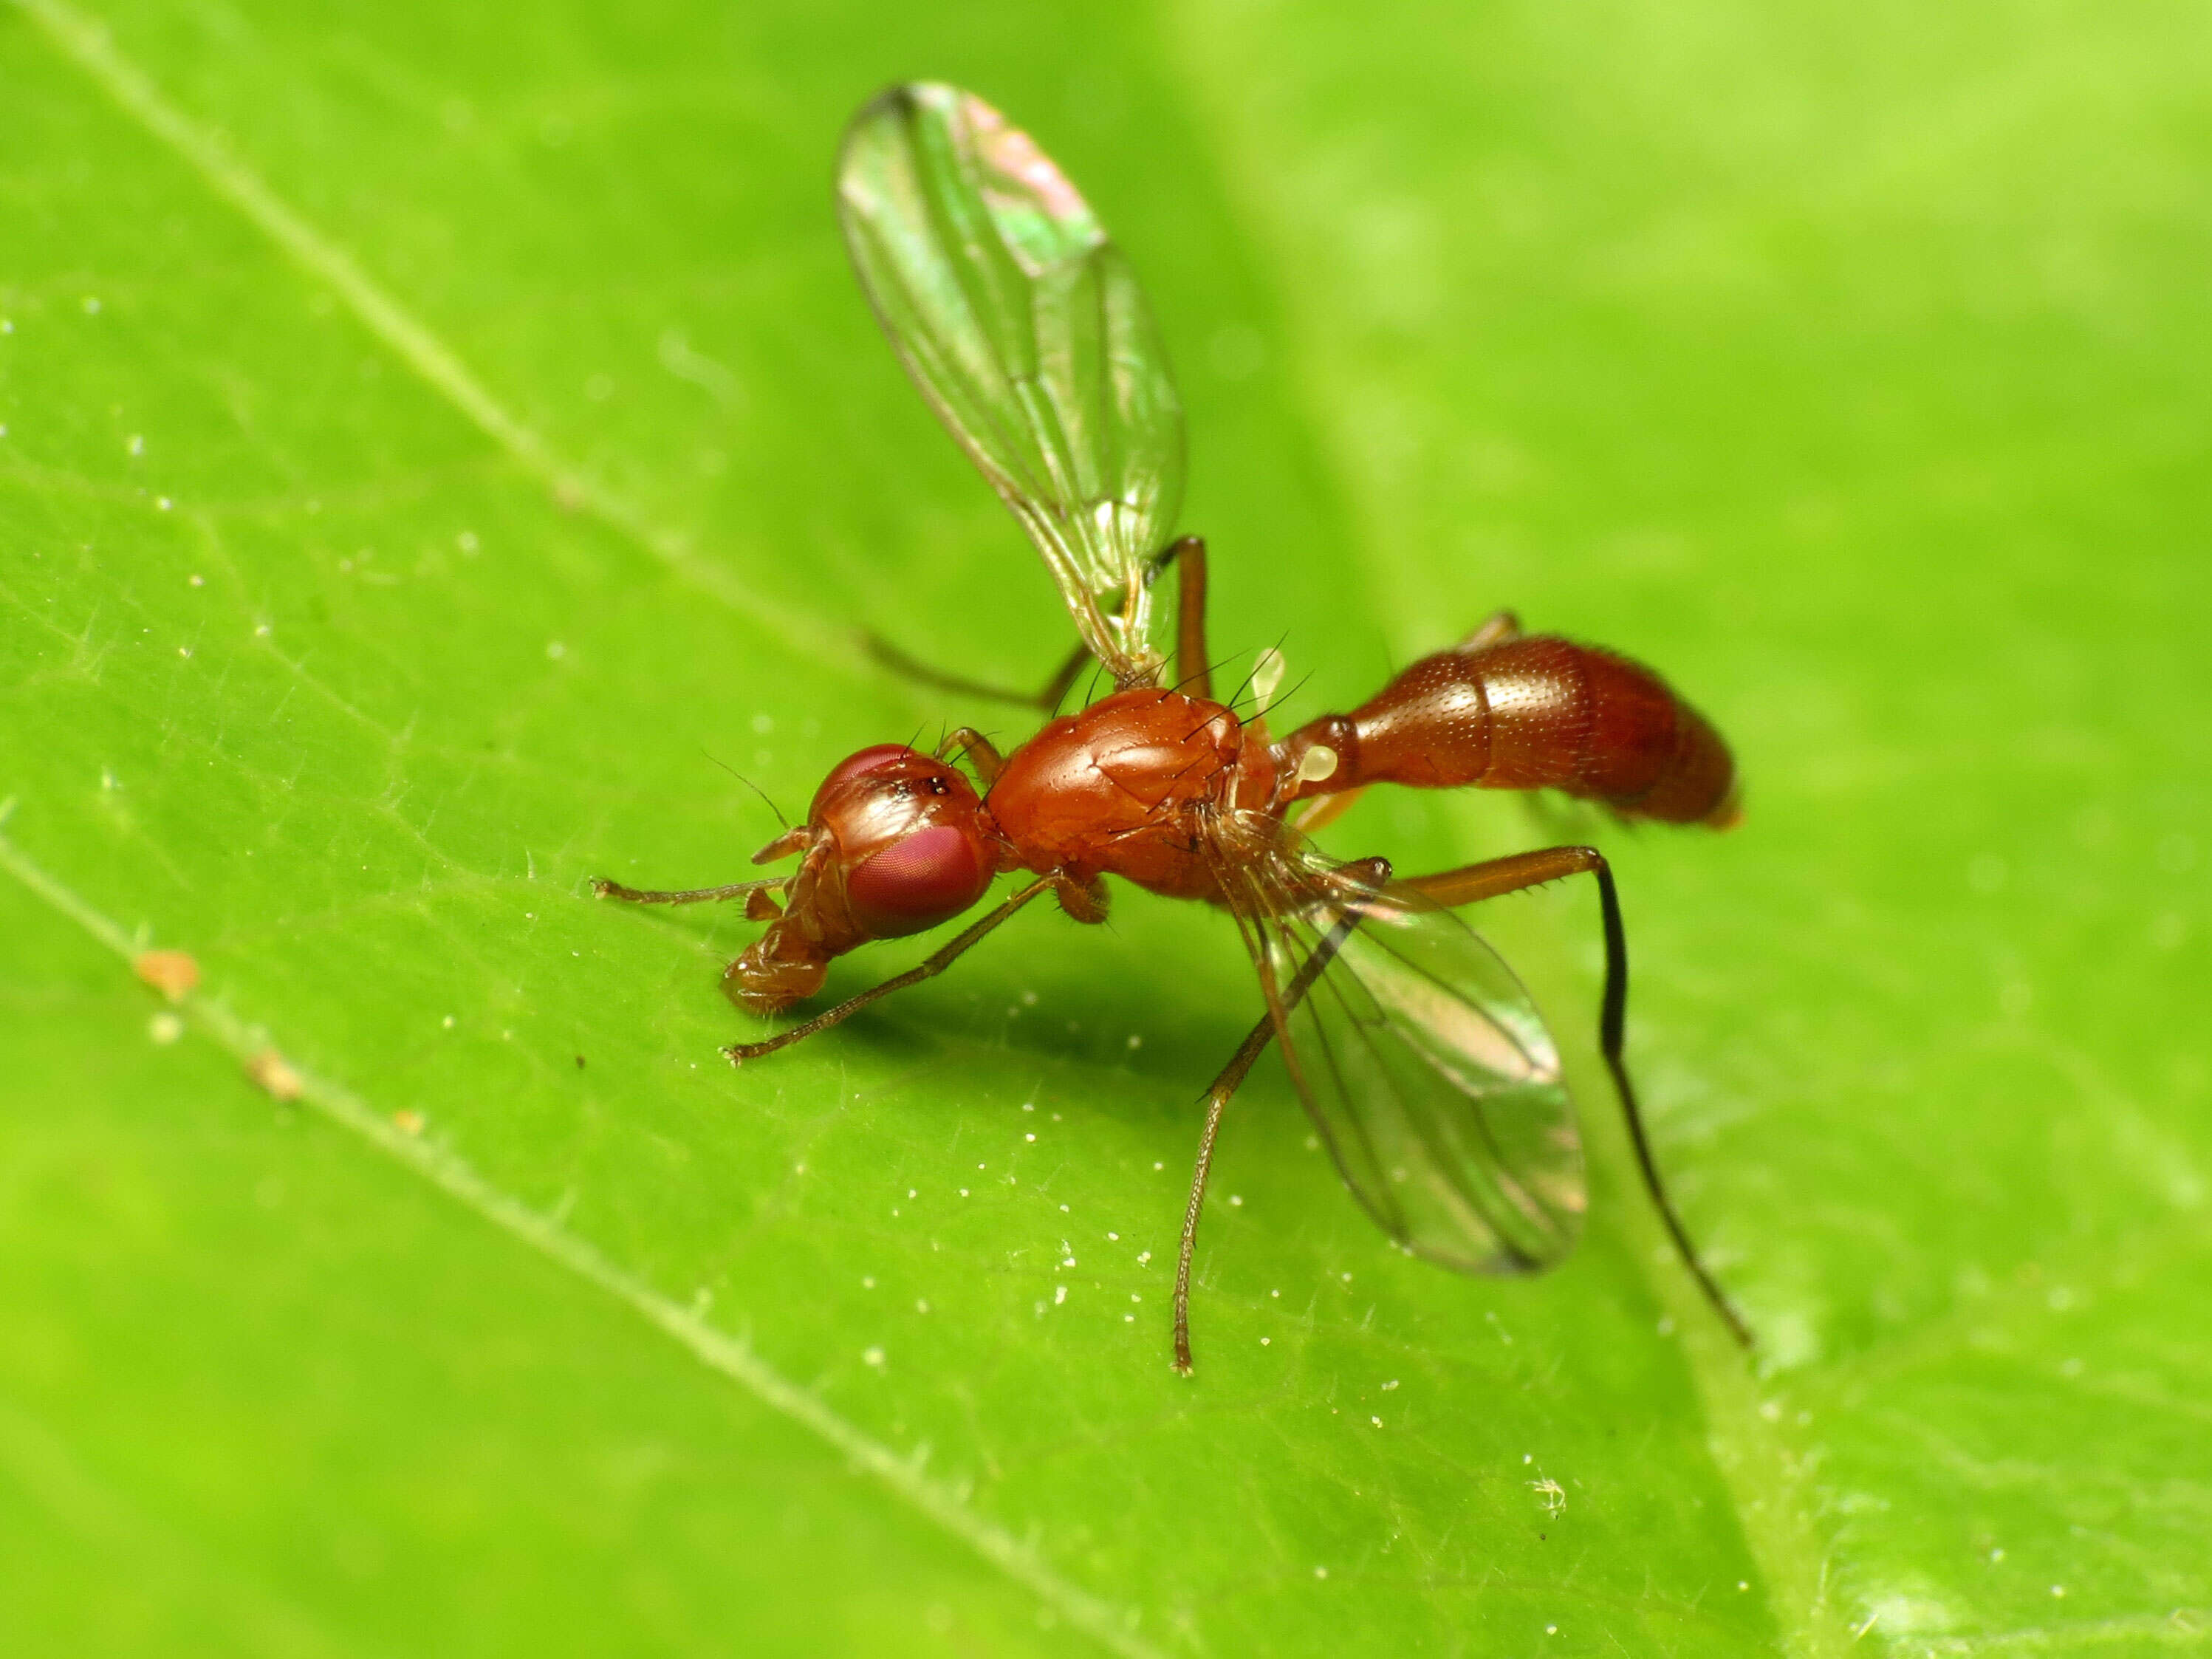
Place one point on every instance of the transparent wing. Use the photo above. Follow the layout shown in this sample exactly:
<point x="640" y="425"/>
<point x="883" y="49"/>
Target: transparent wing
<point x="1423" y="1061"/>
<point x="1024" y="327"/>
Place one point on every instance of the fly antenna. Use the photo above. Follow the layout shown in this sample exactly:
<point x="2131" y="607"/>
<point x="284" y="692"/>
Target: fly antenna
<point x="748" y="783"/>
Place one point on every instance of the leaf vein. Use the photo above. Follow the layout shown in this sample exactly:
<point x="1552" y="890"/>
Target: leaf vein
<point x="936" y="1501"/>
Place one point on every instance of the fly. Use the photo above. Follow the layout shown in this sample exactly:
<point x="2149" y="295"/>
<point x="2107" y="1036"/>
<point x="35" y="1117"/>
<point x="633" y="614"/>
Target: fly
<point x="1422" y="1059"/>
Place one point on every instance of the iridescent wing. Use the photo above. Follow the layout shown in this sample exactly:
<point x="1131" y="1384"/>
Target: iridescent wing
<point x="1023" y="325"/>
<point x="1421" y="1059"/>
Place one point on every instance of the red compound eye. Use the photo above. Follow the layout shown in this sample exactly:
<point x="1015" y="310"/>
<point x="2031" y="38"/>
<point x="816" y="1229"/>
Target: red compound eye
<point x="917" y="881"/>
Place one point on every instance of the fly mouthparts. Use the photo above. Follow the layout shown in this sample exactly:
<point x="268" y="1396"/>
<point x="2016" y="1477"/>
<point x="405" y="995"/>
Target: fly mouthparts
<point x="794" y="840"/>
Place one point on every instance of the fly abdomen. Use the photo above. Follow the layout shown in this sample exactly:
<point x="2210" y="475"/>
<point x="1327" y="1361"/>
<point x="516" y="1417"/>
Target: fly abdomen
<point x="1530" y="712"/>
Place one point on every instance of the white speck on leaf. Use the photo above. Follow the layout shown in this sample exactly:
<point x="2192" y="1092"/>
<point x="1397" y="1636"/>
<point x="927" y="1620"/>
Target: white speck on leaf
<point x="269" y="1070"/>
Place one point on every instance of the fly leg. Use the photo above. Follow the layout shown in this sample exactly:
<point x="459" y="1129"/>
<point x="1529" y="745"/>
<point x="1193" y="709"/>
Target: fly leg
<point x="1371" y="873"/>
<point x="930" y="966"/>
<point x="1217" y="1099"/>
<point x="1194" y="668"/>
<point x="1497" y="877"/>
<point x="759" y="907"/>
<point x="978" y="751"/>
<point x="1326" y="809"/>
<point x="889" y="656"/>
<point x="1188" y="554"/>
<point x="1502" y="626"/>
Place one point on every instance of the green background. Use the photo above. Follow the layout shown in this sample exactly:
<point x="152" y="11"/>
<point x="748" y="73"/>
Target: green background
<point x="434" y="439"/>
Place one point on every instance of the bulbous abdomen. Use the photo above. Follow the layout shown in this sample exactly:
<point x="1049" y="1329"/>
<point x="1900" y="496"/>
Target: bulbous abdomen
<point x="1533" y="712"/>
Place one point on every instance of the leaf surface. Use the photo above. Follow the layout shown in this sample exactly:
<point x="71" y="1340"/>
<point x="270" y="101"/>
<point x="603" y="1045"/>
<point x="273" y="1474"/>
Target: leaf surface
<point x="431" y="435"/>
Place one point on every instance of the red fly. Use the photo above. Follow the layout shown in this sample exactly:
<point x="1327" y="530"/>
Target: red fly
<point x="1422" y="1059"/>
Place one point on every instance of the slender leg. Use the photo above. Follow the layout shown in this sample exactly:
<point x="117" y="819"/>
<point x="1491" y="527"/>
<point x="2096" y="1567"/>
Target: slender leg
<point x="1188" y="554"/>
<point x="1325" y="810"/>
<point x="1452" y="888"/>
<point x="1047" y="700"/>
<point x="929" y="967"/>
<point x="615" y="890"/>
<point x="1194" y="668"/>
<point x="1502" y="626"/>
<point x="1216" y="1098"/>
<point x="981" y="753"/>
<point x="1372" y="873"/>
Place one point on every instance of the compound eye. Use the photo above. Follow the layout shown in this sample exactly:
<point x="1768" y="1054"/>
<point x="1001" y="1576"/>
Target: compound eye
<point x="917" y="882"/>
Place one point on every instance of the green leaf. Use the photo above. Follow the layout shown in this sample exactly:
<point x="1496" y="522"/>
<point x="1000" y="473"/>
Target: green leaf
<point x="431" y="435"/>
